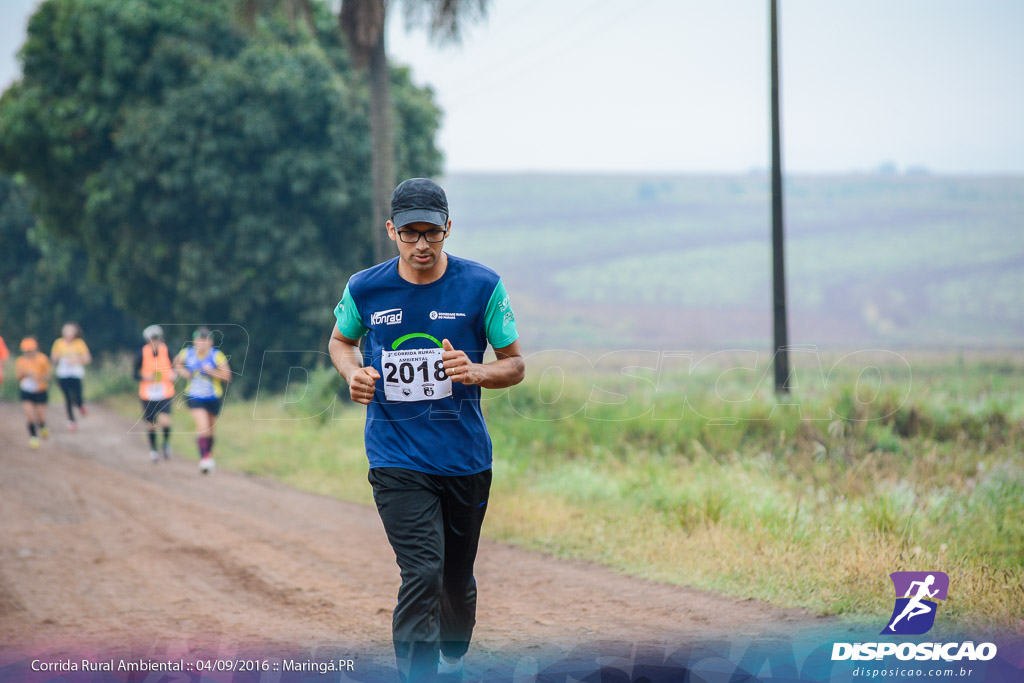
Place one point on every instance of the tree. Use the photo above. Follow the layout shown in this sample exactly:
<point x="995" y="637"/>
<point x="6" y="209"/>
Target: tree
<point x="293" y="11"/>
<point x="210" y="174"/>
<point x="363" y="22"/>
<point x="39" y="296"/>
<point x="232" y="200"/>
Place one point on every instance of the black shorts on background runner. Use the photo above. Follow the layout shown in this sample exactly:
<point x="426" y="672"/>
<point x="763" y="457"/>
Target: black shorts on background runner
<point x="150" y="409"/>
<point x="212" y="406"/>
<point x="34" y="397"/>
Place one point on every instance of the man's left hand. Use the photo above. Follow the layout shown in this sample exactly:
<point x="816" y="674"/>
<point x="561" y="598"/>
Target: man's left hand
<point x="458" y="367"/>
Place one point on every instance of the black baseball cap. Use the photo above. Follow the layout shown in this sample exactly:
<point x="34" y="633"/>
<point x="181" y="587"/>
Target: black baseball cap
<point x="419" y="200"/>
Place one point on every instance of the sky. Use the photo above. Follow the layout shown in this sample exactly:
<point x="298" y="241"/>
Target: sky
<point x="682" y="85"/>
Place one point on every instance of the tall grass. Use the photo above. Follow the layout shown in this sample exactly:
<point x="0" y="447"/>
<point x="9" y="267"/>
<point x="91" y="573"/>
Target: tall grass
<point x="706" y="479"/>
<point x="809" y="505"/>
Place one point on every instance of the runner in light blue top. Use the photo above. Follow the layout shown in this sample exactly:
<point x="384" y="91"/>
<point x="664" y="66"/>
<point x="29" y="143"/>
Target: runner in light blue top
<point x="207" y="370"/>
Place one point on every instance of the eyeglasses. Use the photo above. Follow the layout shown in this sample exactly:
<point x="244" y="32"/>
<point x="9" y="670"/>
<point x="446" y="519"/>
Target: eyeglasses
<point x="433" y="235"/>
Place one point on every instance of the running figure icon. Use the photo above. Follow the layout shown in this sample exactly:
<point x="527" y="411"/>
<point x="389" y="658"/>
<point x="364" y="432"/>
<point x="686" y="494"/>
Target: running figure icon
<point x="916" y="606"/>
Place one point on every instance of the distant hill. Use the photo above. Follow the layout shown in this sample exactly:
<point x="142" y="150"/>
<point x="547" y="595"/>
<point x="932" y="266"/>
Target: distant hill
<point x="684" y="261"/>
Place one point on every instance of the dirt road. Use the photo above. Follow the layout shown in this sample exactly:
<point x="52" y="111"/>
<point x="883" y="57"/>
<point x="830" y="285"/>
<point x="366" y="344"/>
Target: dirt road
<point x="101" y="549"/>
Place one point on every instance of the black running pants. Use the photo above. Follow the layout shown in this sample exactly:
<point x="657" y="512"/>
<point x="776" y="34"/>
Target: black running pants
<point x="433" y="523"/>
<point x="72" y="388"/>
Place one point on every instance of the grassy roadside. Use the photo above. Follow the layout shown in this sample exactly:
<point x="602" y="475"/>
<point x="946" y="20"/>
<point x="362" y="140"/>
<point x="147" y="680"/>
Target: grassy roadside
<point x="699" y="478"/>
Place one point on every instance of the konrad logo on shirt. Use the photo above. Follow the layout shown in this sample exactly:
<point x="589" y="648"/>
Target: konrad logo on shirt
<point x="440" y="315"/>
<point x="392" y="316"/>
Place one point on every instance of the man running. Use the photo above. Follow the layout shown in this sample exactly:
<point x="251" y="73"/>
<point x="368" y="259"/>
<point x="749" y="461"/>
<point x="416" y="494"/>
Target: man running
<point x="207" y="370"/>
<point x="71" y="355"/>
<point x="427" y="317"/>
<point x="32" y="370"/>
<point x="155" y="375"/>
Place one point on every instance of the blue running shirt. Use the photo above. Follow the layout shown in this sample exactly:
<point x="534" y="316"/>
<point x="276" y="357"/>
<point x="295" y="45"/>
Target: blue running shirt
<point x="420" y="427"/>
<point x="201" y="386"/>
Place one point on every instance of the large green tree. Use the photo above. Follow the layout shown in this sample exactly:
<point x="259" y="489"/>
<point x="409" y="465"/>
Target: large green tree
<point x="209" y="173"/>
<point x="40" y="289"/>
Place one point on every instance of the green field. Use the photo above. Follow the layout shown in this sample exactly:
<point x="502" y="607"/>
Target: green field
<point x="699" y="478"/>
<point x="684" y="261"/>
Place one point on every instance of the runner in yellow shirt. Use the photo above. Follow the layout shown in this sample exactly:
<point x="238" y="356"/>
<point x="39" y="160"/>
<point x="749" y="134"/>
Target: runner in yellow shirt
<point x="71" y="355"/>
<point x="32" y="370"/>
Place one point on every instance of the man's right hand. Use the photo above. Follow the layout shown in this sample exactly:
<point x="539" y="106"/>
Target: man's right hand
<point x="362" y="383"/>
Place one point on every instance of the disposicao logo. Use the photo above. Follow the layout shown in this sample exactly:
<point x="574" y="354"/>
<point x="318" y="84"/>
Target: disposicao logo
<point x="917" y="595"/>
<point x="913" y="614"/>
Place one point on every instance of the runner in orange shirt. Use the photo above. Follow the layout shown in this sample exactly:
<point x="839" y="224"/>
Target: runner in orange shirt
<point x="156" y="377"/>
<point x="32" y="369"/>
<point x="4" y="355"/>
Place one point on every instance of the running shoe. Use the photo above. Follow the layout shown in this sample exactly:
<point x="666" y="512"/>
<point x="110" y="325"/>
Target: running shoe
<point x="45" y="432"/>
<point x="33" y="442"/>
<point x="72" y="426"/>
<point x="206" y="464"/>
<point x="154" y="457"/>
<point x="167" y="451"/>
<point x="82" y="411"/>
<point x="448" y="667"/>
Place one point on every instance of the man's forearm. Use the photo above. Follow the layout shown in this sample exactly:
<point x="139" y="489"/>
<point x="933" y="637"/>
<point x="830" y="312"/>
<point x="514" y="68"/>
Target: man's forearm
<point x="346" y="358"/>
<point x="502" y="373"/>
<point x="222" y="373"/>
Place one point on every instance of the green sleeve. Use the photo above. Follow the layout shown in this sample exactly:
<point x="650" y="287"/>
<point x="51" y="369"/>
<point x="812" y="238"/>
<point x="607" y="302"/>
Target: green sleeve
<point x="499" y="320"/>
<point x="350" y="323"/>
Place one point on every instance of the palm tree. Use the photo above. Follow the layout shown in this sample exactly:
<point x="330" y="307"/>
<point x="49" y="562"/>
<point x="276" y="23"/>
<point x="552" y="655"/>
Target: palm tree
<point x="362" y="22"/>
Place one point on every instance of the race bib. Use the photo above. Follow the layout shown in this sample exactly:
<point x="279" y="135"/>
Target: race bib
<point x="156" y="391"/>
<point x="67" y="369"/>
<point x="415" y="375"/>
<point x="201" y="387"/>
<point x="30" y="385"/>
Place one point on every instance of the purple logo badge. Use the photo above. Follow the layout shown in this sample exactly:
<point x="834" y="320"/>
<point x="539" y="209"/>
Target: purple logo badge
<point x="917" y="594"/>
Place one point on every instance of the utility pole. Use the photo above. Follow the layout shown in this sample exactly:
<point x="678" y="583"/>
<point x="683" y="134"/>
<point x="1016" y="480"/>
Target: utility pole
<point x="781" y="359"/>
